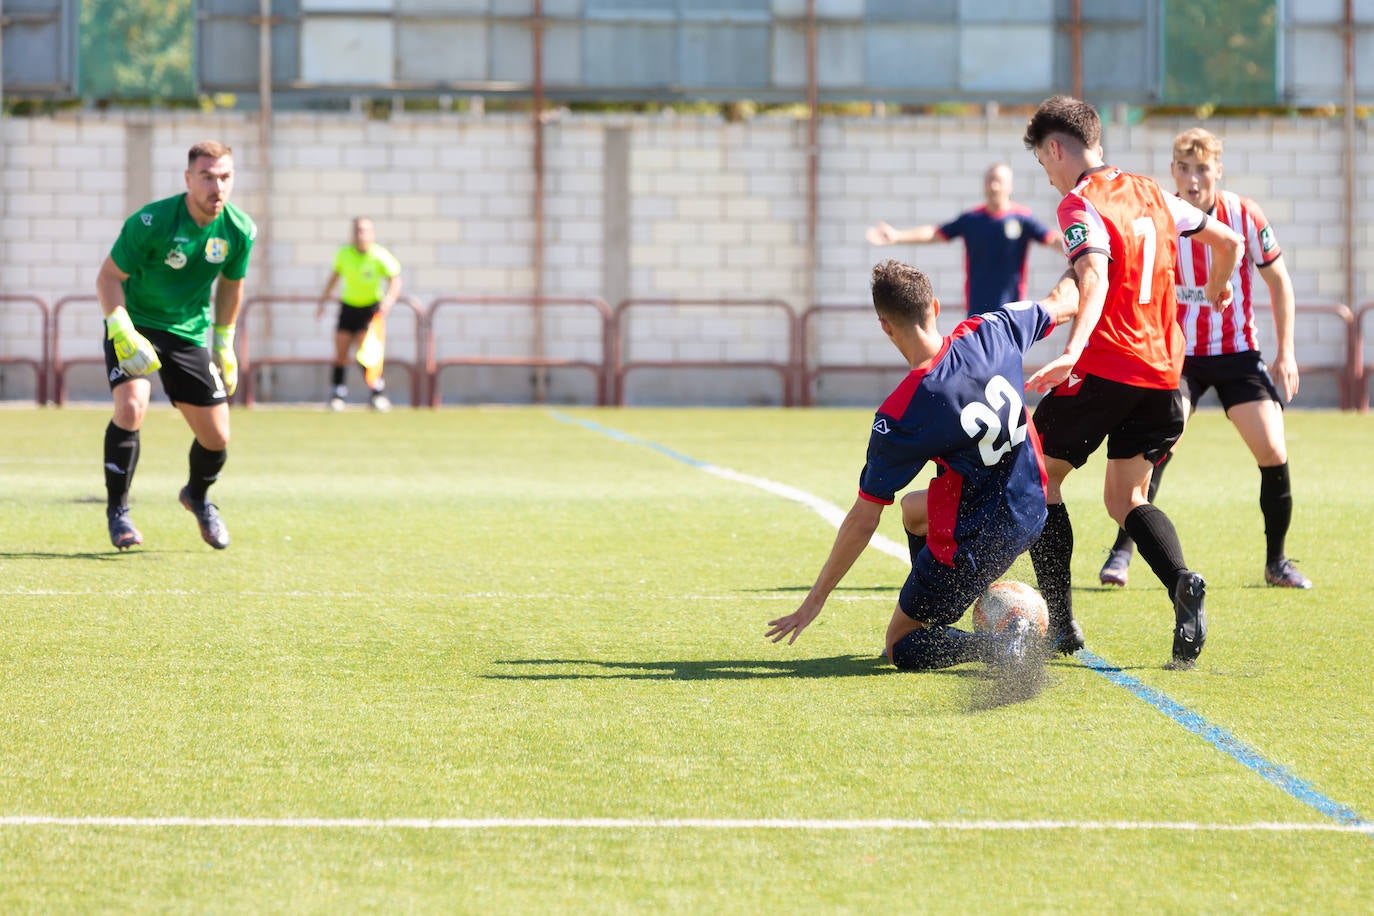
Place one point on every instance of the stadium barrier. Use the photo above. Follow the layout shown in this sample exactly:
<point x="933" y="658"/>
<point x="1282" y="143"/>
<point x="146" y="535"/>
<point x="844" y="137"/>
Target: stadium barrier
<point x="788" y="370"/>
<point x="568" y="312"/>
<point x="1345" y="373"/>
<point x="266" y="311"/>
<point x="42" y="363"/>
<point x="814" y="365"/>
<point x="91" y="354"/>
<point x="1360" y="370"/>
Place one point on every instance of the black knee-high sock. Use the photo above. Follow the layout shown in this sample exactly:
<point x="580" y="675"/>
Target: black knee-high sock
<point x="938" y="647"/>
<point x="1050" y="555"/>
<point x="1276" y="502"/>
<point x="336" y="376"/>
<point x="205" y="468"/>
<point x="1158" y="542"/>
<point x="916" y="543"/>
<point x="121" y="457"/>
<point x="1123" y="540"/>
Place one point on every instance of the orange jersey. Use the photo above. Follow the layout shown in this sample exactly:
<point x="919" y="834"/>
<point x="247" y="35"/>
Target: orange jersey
<point x="1130" y="219"/>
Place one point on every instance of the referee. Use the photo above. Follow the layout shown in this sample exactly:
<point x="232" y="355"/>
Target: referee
<point x="371" y="282"/>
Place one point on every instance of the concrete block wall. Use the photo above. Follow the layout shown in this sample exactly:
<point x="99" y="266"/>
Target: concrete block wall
<point x="636" y="206"/>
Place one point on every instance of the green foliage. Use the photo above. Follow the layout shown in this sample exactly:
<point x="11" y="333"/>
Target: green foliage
<point x="137" y="49"/>
<point x="1221" y="52"/>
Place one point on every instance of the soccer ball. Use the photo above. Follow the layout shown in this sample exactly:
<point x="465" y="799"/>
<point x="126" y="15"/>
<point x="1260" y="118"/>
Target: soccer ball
<point x="1005" y="600"/>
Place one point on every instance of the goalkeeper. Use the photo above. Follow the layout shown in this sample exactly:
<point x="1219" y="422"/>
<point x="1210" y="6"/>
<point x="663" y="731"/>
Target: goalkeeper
<point x="155" y="292"/>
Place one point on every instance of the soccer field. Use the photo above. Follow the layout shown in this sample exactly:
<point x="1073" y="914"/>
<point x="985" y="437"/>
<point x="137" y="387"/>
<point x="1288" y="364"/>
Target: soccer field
<point x="512" y="660"/>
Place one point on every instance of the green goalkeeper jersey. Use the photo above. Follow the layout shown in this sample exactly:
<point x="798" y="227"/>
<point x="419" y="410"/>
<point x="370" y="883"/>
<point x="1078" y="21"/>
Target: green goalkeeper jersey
<point x="172" y="264"/>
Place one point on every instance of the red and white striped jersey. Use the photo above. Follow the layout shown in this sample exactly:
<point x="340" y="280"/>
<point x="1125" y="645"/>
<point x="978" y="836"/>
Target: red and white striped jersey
<point x="1211" y="333"/>
<point x="1130" y="219"/>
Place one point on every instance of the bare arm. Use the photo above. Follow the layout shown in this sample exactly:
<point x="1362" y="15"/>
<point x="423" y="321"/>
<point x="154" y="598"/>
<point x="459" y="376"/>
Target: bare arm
<point x="1284" y="366"/>
<point x="328" y="291"/>
<point x="1227" y="250"/>
<point x="393" y="292"/>
<point x="855" y="532"/>
<point x="109" y="287"/>
<point x="228" y="298"/>
<point x="1062" y="301"/>
<point x="883" y="234"/>
<point x="1053" y="240"/>
<point x="1091" y="272"/>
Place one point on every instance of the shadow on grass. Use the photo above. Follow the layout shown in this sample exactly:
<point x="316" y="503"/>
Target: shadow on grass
<point x="723" y="670"/>
<point x="46" y="555"/>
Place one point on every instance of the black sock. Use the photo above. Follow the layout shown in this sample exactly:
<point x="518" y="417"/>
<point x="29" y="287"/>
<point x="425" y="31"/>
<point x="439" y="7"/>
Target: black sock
<point x="916" y="543"/>
<point x="1158" y="542"/>
<point x="121" y="457"/>
<point x="1276" y="502"/>
<point x="205" y="468"/>
<point x="1050" y="555"/>
<point x="1123" y="540"/>
<point x="336" y="377"/>
<point x="938" y="647"/>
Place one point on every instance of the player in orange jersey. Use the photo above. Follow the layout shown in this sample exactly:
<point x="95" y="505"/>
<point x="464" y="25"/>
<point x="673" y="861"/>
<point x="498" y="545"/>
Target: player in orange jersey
<point x="1223" y="350"/>
<point x="1118" y="376"/>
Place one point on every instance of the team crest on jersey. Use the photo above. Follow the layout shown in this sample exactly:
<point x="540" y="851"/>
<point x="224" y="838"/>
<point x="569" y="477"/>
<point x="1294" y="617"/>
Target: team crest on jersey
<point x="216" y="250"/>
<point x="1267" y="243"/>
<point x="1012" y="228"/>
<point x="881" y="427"/>
<point x="147" y="218"/>
<point x="1075" y="237"/>
<point x="176" y="259"/>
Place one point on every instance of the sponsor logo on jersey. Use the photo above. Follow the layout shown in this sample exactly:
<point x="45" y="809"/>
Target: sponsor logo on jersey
<point x="216" y="250"/>
<point x="176" y="259"/>
<point x="1012" y="228"/>
<point x="1075" y="237"/>
<point x="147" y="218"/>
<point x="1191" y="295"/>
<point x="116" y="373"/>
<point x="1267" y="241"/>
<point x="881" y="427"/>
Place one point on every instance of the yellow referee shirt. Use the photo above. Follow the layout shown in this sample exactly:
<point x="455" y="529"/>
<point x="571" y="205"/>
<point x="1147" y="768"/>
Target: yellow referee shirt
<point x="364" y="274"/>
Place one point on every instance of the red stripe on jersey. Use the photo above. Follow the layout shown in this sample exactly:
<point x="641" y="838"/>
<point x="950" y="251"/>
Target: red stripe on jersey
<point x="942" y="510"/>
<point x="1232" y="331"/>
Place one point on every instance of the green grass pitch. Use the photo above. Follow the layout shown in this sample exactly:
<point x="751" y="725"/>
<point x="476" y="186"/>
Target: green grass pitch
<point x="491" y="660"/>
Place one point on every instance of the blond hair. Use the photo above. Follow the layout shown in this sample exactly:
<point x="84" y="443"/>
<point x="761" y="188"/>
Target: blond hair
<point x="1199" y="143"/>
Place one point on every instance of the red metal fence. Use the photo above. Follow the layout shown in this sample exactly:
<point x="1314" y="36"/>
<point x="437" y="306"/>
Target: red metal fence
<point x="795" y="336"/>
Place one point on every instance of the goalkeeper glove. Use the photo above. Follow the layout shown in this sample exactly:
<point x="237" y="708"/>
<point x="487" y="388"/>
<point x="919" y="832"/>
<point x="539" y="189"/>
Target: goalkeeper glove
<point x="225" y="359"/>
<point x="135" y="354"/>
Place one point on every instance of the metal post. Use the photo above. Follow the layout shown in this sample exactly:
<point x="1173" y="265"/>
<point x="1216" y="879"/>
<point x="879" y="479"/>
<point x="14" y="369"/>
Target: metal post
<point x="813" y="169"/>
<point x="541" y="374"/>
<point x="1349" y="399"/>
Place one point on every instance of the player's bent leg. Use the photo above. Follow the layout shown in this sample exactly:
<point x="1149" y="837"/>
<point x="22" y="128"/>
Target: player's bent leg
<point x="207" y="457"/>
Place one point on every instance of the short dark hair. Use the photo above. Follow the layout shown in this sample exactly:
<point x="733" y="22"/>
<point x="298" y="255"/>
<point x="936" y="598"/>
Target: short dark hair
<point x="1064" y="114"/>
<point x="211" y="148"/>
<point x="901" y="292"/>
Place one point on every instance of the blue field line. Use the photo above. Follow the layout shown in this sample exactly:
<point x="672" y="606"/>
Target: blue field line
<point x="1214" y="735"/>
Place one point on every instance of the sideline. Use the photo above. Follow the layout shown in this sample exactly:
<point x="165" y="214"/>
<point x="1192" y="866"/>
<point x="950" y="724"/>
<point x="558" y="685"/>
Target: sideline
<point x="1219" y="738"/>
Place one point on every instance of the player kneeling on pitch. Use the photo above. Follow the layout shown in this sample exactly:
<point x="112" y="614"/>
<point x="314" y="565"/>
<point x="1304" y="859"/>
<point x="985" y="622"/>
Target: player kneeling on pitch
<point x="960" y="407"/>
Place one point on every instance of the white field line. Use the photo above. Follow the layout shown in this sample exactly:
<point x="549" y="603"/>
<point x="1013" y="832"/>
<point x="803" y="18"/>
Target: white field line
<point x="631" y="823"/>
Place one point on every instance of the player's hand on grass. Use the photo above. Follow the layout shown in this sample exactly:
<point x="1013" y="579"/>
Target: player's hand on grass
<point x="228" y="363"/>
<point x="790" y="627"/>
<point x="135" y="353"/>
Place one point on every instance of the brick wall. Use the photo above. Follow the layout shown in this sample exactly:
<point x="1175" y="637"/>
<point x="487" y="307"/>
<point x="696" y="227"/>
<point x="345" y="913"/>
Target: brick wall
<point x="709" y="209"/>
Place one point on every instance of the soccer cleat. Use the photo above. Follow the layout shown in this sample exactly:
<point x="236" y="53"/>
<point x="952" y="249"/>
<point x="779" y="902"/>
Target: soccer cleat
<point x="380" y="402"/>
<point x="207" y="516"/>
<point x="1117" y="569"/>
<point x="1066" y="640"/>
<point x="1284" y="574"/>
<point x="1012" y="646"/>
<point x="336" y="403"/>
<point x="1190" y="623"/>
<point x="123" y="534"/>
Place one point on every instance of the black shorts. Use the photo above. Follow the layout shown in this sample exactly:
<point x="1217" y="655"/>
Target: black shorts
<point x="355" y="318"/>
<point x="189" y="375"/>
<point x="937" y="594"/>
<point x="1072" y="422"/>
<point x="1239" y="378"/>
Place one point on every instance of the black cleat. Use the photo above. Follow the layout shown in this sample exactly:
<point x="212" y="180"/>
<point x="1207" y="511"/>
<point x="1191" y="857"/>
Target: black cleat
<point x="1067" y="639"/>
<point x="1190" y="623"/>
<point x="123" y="534"/>
<point x="207" y="516"/>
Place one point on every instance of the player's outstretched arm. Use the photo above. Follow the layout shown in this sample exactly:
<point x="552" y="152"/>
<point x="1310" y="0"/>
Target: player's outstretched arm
<point x="883" y="234"/>
<point x="1062" y="301"/>
<point x="1227" y="250"/>
<point x="1091" y="271"/>
<point x="855" y="532"/>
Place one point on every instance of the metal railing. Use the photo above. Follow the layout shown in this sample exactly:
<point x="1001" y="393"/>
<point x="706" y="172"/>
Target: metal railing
<point x="41" y="363"/>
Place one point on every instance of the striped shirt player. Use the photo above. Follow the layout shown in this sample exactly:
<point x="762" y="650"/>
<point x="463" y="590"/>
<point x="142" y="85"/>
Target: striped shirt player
<point x="1223" y="349"/>
<point x="960" y="408"/>
<point x="1117" y="379"/>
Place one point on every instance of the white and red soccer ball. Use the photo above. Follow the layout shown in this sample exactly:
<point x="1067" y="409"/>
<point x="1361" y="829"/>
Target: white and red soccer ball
<point x="1008" y="599"/>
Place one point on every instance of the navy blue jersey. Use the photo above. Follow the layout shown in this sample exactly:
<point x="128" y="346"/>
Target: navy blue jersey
<point x="965" y="412"/>
<point x="995" y="248"/>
